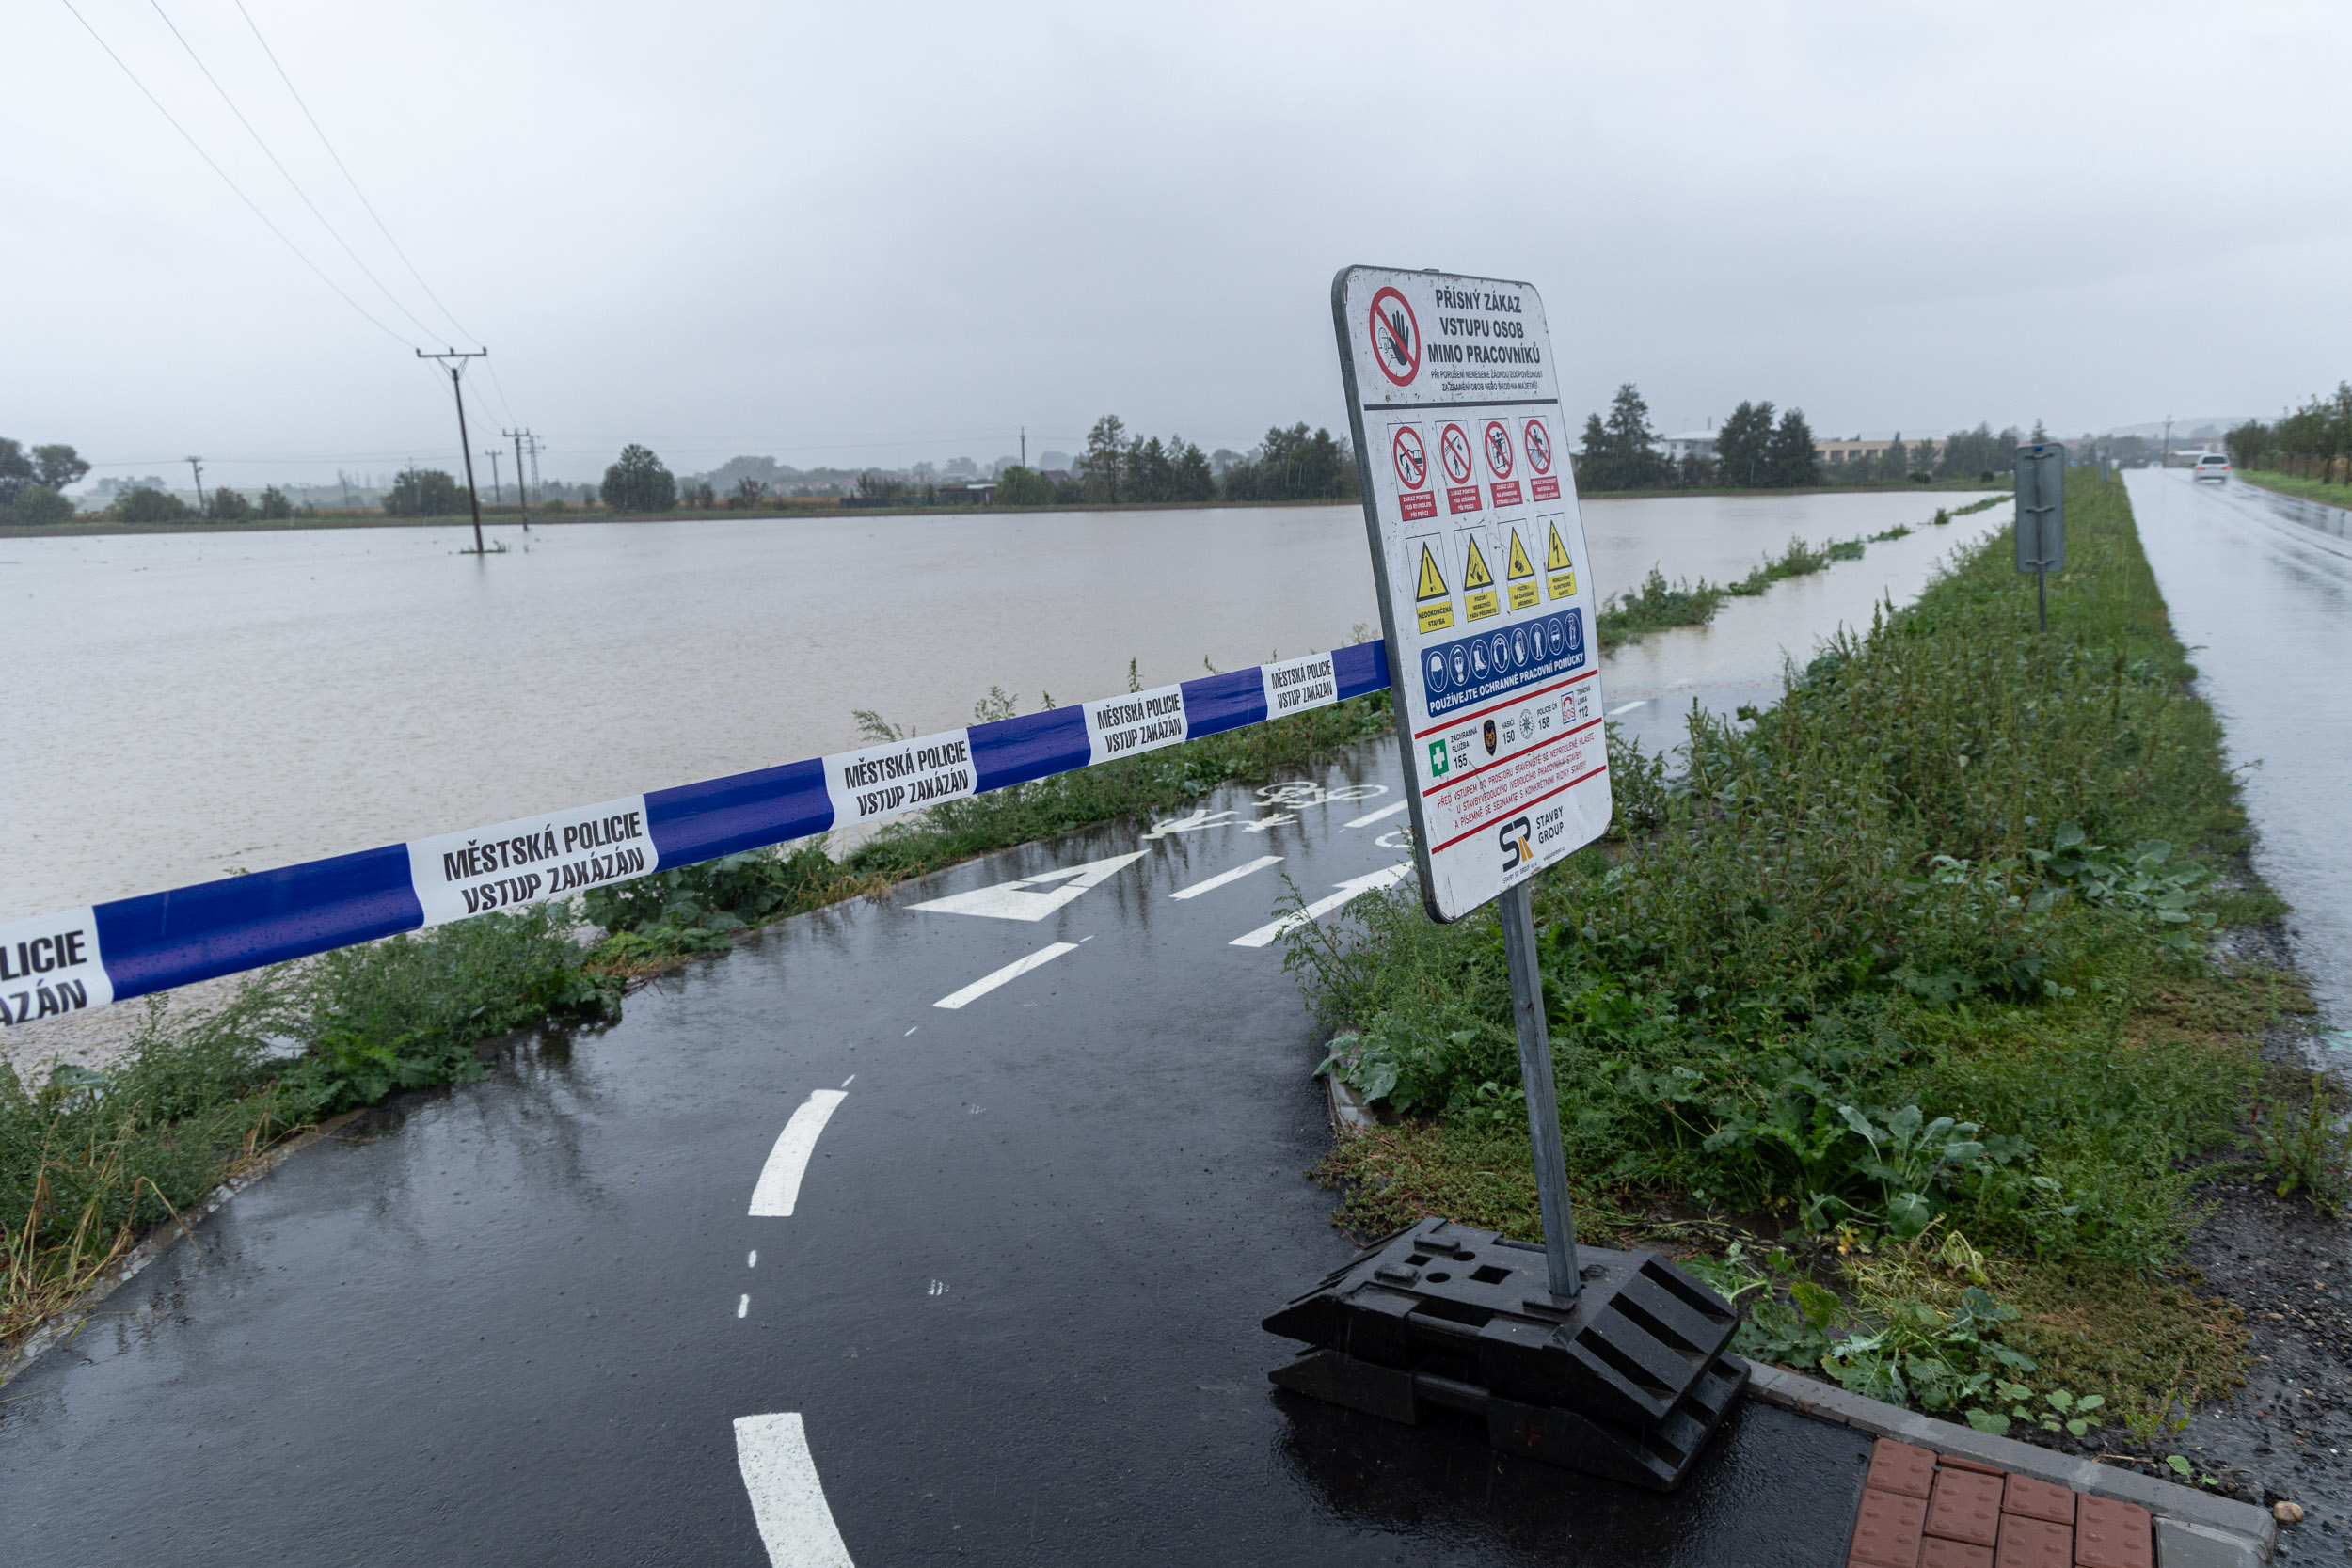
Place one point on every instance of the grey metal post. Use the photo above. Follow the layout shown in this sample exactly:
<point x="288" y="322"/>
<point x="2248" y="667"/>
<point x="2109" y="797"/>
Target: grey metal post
<point x="1542" y="1101"/>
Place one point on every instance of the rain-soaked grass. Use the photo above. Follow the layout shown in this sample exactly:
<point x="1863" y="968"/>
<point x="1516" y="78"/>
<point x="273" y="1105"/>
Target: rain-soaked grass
<point x="1905" y="992"/>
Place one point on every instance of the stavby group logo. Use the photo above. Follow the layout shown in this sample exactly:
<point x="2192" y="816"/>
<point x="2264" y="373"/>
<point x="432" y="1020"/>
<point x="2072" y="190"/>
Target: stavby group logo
<point x="1516" y="841"/>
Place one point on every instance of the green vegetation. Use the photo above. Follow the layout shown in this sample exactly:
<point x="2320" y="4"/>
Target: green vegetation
<point x="638" y="482"/>
<point x="2333" y="493"/>
<point x="90" y="1161"/>
<point x="1906" y="989"/>
<point x="2315" y="443"/>
<point x="1658" y="604"/>
<point x="423" y="493"/>
<point x="32" y="483"/>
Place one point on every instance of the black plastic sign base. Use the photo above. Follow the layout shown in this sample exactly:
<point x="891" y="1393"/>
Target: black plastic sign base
<point x="1625" y="1380"/>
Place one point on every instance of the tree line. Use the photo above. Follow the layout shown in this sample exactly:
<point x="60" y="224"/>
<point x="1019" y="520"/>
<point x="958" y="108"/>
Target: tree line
<point x="33" y="481"/>
<point x="2314" y="440"/>
<point x="1121" y="468"/>
<point x="1759" y="447"/>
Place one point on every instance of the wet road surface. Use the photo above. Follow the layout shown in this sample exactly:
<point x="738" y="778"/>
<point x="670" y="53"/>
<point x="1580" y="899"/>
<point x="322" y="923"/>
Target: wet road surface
<point x="1000" y="1300"/>
<point x="2260" y="587"/>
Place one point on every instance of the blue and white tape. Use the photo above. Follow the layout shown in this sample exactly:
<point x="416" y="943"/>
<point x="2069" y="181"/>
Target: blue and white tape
<point x="87" y="957"/>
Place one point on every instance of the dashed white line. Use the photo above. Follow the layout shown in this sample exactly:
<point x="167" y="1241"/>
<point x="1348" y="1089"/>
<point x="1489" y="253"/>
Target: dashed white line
<point x="910" y="1032"/>
<point x="1348" y="894"/>
<point x="852" y="1078"/>
<point x="1628" y="707"/>
<point x="787" y="1499"/>
<point x="1224" y="877"/>
<point x="1371" y="816"/>
<point x="743" y="1307"/>
<point x="779" y="1185"/>
<point x="752" y="1261"/>
<point x="1013" y="971"/>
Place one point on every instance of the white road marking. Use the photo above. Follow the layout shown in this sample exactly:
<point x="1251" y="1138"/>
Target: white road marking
<point x="779" y="1185"/>
<point x="1349" y="893"/>
<point x="1224" y="877"/>
<point x="938" y="1288"/>
<point x="1013" y="971"/>
<point x="852" y="1078"/>
<point x="1186" y="824"/>
<point x="1371" y="816"/>
<point x="1628" y="707"/>
<point x="910" y="1032"/>
<point x="752" y="1261"/>
<point x="787" y="1499"/>
<point x="1267" y="824"/>
<point x="1031" y="897"/>
<point x="743" y="1307"/>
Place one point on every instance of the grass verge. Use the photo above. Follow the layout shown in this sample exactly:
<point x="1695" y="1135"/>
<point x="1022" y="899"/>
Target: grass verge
<point x="2299" y="487"/>
<point x="1895" y="1012"/>
<point x="1658" y="604"/>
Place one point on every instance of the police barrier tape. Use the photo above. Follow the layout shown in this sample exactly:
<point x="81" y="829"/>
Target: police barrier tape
<point x="102" y="952"/>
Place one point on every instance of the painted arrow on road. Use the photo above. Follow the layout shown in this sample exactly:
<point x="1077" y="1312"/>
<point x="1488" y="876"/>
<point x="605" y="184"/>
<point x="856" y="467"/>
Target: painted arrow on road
<point x="1032" y="897"/>
<point x="1349" y="892"/>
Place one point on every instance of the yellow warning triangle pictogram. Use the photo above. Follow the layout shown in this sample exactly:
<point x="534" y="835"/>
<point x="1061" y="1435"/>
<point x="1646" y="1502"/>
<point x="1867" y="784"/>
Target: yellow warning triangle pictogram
<point x="1432" y="580"/>
<point x="1558" y="560"/>
<point x="1474" y="574"/>
<point x="1521" y="565"/>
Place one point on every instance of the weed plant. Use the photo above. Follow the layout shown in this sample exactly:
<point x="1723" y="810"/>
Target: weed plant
<point x="1923" y="948"/>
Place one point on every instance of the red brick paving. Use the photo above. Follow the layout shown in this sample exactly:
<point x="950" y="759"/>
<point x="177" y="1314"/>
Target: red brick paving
<point x="2112" y="1535"/>
<point x="1920" y="1509"/>
<point x="1966" y="1507"/>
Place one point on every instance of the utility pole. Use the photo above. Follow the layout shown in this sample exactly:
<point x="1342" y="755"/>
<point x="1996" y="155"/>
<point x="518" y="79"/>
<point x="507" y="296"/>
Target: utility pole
<point x="1025" y="445"/>
<point x="522" y="486"/>
<point x="198" y="464"/>
<point x="2166" y="460"/>
<point x="454" y="362"/>
<point x="498" y="496"/>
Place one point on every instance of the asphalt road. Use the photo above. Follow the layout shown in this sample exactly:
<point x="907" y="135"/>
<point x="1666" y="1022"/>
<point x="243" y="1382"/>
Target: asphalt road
<point x="2260" y="586"/>
<point x="1000" y="1300"/>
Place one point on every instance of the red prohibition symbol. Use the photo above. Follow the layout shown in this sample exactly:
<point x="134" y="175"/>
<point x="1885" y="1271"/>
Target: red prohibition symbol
<point x="1453" y="451"/>
<point x="1498" y="449"/>
<point x="1395" y="337"/>
<point x="1538" y="442"/>
<point x="1412" y="460"/>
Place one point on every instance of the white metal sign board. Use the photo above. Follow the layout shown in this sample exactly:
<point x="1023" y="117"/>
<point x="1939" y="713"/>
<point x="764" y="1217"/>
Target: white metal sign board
<point x="1486" y="595"/>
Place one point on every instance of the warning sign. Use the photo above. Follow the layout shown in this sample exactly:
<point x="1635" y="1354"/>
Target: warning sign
<point x="1395" y="337"/>
<point x="1497" y="450"/>
<point x="1488" y="620"/>
<point x="1538" y="443"/>
<point x="1521" y="574"/>
<point x="1412" y="473"/>
<point x="1478" y="584"/>
<point x="1557" y="563"/>
<point x="1433" y="602"/>
<point x="1138" y="722"/>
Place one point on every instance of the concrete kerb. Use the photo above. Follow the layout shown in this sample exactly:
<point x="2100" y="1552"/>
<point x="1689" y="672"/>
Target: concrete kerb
<point x="70" y="1321"/>
<point x="2194" y="1529"/>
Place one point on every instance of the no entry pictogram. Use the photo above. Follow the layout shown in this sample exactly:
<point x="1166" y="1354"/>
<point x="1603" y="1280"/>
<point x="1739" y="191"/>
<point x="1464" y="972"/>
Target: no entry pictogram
<point x="1538" y="443"/>
<point x="1498" y="449"/>
<point x="1395" y="337"/>
<point x="1412" y="460"/>
<point x="1453" y="451"/>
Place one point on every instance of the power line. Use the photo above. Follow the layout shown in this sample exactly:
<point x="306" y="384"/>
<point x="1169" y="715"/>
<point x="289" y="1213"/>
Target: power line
<point x="234" y="188"/>
<point x="292" y="183"/>
<point x="351" y="180"/>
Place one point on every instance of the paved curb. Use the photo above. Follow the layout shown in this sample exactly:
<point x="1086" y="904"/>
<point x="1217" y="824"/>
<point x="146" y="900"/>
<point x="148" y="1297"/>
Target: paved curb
<point x="70" y="1321"/>
<point x="2194" y="1529"/>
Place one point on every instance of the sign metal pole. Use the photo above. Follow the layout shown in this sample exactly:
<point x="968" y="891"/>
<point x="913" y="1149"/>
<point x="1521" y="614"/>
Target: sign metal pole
<point x="1543" y="1100"/>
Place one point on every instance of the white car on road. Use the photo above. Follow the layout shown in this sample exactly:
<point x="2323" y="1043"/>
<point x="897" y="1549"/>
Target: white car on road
<point x="2212" y="466"/>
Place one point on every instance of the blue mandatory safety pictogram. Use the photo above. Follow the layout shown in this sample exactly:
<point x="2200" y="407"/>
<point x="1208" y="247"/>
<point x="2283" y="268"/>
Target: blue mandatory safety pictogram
<point x="1471" y="669"/>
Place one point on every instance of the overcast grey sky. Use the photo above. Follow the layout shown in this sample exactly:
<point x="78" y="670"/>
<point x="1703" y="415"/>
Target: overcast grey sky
<point x="869" y="233"/>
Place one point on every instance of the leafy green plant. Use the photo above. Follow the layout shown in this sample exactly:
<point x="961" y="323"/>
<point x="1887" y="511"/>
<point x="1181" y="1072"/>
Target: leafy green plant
<point x="2305" y="1148"/>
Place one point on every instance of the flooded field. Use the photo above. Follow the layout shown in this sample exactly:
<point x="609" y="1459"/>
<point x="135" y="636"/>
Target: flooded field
<point x="192" y="704"/>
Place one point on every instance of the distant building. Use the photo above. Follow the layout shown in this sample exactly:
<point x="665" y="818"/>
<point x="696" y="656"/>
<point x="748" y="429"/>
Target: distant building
<point x="1691" y="443"/>
<point x="1836" y="454"/>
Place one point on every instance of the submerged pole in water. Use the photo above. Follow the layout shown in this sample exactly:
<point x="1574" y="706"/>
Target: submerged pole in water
<point x="1542" y="1101"/>
<point x="455" y="364"/>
